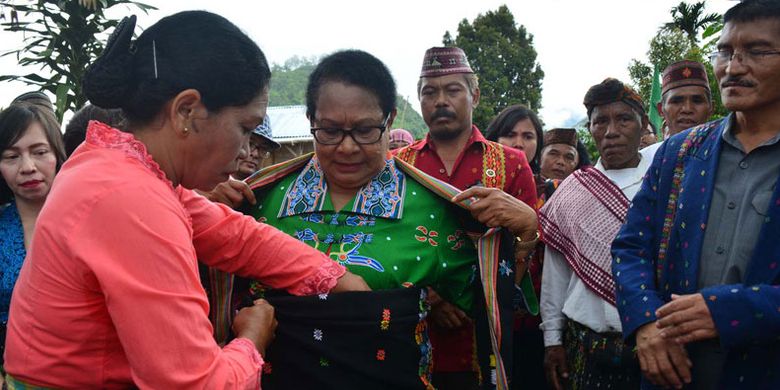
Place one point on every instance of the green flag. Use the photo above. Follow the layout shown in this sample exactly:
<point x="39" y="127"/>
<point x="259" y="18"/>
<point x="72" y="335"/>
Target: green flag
<point x="655" y="98"/>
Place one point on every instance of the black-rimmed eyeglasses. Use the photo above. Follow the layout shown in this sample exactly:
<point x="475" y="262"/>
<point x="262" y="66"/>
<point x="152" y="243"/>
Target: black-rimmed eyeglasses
<point x="362" y="135"/>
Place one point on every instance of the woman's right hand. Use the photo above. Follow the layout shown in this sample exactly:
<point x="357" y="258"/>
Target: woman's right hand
<point x="231" y="193"/>
<point x="256" y="323"/>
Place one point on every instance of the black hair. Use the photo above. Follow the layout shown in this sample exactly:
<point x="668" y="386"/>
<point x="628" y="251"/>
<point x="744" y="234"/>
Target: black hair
<point x="191" y="49"/>
<point x="76" y="130"/>
<point x="14" y="122"/>
<point x="752" y="10"/>
<point x="506" y="120"/>
<point x="357" y="68"/>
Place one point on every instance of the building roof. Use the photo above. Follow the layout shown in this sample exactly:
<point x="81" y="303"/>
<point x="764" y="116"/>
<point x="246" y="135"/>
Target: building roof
<point x="289" y="124"/>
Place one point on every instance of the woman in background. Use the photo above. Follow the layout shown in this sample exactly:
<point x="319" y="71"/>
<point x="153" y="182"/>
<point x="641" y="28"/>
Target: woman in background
<point x="518" y="126"/>
<point x="32" y="153"/>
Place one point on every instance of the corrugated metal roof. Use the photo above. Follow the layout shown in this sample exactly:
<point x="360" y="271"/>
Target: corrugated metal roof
<point x="289" y="124"/>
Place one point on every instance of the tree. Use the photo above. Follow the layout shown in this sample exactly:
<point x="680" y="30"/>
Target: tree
<point x="503" y="57"/>
<point x="288" y="81"/>
<point x="409" y="119"/>
<point x="690" y="18"/>
<point x="667" y="47"/>
<point x="61" y="38"/>
<point x="288" y="88"/>
<point x="679" y="40"/>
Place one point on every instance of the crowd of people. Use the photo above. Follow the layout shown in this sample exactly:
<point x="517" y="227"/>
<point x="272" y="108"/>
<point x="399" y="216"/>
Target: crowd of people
<point x="151" y="246"/>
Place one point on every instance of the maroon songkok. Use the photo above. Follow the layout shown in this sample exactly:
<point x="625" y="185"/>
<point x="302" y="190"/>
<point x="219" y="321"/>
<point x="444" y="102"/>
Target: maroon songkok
<point x="683" y="73"/>
<point x="441" y="61"/>
<point x="560" y="136"/>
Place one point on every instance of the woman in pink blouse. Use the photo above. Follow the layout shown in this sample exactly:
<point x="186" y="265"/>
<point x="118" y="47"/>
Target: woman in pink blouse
<point x="109" y="296"/>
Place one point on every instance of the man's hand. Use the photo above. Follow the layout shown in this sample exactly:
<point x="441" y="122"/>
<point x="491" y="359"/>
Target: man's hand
<point x="231" y="193"/>
<point x="663" y="362"/>
<point x="495" y="208"/>
<point x="448" y="316"/>
<point x="445" y="314"/>
<point x="686" y="319"/>
<point x="555" y="367"/>
<point x="350" y="282"/>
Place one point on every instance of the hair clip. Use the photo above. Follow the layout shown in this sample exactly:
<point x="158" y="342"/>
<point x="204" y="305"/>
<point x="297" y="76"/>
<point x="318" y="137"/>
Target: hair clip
<point x="154" y="57"/>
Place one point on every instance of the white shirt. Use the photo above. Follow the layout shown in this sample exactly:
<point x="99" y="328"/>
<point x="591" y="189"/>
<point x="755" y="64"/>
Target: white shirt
<point x="564" y="295"/>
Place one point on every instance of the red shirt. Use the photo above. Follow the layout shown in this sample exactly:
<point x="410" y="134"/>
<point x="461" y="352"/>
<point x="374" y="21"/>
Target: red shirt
<point x="484" y="163"/>
<point x="470" y="168"/>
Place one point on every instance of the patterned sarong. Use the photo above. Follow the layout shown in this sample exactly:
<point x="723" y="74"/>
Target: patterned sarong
<point x="599" y="360"/>
<point x="580" y="221"/>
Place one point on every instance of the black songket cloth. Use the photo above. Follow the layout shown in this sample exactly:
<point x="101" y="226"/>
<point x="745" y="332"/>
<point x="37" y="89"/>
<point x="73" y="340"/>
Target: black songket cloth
<point x="351" y="340"/>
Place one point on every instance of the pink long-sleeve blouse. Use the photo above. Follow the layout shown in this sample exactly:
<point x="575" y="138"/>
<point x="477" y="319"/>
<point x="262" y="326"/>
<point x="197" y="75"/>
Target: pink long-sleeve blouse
<point x="109" y="295"/>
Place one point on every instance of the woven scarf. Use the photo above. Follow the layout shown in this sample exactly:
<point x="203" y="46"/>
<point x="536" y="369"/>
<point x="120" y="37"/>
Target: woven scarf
<point x="580" y="221"/>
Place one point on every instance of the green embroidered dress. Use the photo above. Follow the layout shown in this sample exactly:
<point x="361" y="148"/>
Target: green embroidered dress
<point x="395" y="232"/>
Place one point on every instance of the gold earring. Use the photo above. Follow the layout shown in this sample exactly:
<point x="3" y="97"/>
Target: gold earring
<point x="186" y="129"/>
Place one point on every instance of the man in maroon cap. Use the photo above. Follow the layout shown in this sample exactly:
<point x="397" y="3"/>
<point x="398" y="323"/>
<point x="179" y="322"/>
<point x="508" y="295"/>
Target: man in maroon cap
<point x="559" y="156"/>
<point x="686" y="99"/>
<point x="501" y="181"/>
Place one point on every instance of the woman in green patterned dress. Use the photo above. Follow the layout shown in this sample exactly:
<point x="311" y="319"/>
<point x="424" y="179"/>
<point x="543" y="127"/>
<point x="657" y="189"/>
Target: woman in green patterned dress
<point x="350" y="199"/>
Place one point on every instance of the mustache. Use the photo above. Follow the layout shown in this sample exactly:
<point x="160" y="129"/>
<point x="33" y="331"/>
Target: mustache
<point x="736" y="81"/>
<point x="442" y="113"/>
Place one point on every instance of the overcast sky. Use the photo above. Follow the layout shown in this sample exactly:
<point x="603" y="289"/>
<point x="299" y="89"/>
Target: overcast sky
<point x="579" y="43"/>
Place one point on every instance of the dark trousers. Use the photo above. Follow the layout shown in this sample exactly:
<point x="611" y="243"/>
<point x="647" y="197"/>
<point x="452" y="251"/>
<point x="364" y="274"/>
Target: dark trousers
<point x="464" y="380"/>
<point x="528" y="370"/>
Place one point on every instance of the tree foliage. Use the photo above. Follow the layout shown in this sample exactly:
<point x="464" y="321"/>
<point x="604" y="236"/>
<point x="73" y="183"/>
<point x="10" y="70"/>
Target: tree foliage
<point x="503" y="56"/>
<point x="61" y="39"/>
<point x="288" y="81"/>
<point x="667" y="47"/>
<point x="690" y="19"/>
<point x="679" y="40"/>
<point x="288" y="88"/>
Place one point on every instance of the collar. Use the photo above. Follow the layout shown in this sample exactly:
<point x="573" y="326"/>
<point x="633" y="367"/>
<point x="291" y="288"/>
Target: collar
<point x="730" y="138"/>
<point x="627" y="177"/>
<point x="381" y="197"/>
<point x="106" y="137"/>
<point x="427" y="142"/>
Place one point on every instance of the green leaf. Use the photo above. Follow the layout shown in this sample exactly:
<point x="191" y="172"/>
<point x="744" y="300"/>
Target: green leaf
<point x="60" y="38"/>
<point x="62" y="99"/>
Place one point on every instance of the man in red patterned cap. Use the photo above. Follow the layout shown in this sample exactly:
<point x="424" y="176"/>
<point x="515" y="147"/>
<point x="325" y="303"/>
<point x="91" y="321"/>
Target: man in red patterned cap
<point x="686" y="99"/>
<point x="499" y="178"/>
<point x="559" y="156"/>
